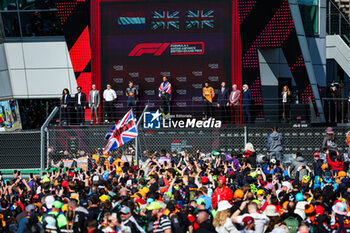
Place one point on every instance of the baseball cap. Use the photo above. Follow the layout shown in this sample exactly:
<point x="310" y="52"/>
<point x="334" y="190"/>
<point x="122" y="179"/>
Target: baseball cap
<point x="71" y="175"/>
<point x="46" y="179"/>
<point x="319" y="210"/>
<point x="149" y="201"/>
<point x="238" y="194"/>
<point x="104" y="198"/>
<point x="287" y="184"/>
<point x="49" y="201"/>
<point x="57" y="204"/>
<point x="299" y="197"/>
<point x="247" y="221"/>
<point x="204" y="180"/>
<point x="342" y="174"/>
<point x="222" y="179"/>
<point x="30" y="208"/>
<point x="316" y="154"/>
<point x="260" y="192"/>
<point x="310" y="210"/>
<point x="154" y="206"/>
<point x="324" y="166"/>
<point x="125" y="210"/>
<point x="254" y="174"/>
<point x="273" y="161"/>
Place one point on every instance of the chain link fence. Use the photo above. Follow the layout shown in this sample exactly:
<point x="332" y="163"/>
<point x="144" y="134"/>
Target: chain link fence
<point x="20" y="150"/>
<point x="80" y="141"/>
<point x="72" y="142"/>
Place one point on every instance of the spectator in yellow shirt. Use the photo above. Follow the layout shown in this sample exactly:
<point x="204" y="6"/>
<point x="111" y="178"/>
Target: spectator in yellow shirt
<point x="208" y="94"/>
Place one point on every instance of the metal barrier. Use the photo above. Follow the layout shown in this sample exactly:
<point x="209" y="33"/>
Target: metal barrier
<point x="270" y="111"/>
<point x="337" y="22"/>
<point x="337" y="110"/>
<point x="77" y="141"/>
<point x="20" y="150"/>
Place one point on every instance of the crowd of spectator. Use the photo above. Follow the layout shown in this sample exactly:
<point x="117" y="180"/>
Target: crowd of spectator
<point x="184" y="192"/>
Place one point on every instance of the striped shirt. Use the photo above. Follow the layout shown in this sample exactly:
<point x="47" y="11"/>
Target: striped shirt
<point x="161" y="224"/>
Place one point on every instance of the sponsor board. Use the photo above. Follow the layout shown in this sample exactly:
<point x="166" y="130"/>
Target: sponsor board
<point x="155" y="120"/>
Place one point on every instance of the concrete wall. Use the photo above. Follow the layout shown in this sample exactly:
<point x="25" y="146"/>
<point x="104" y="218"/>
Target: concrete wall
<point x="35" y="70"/>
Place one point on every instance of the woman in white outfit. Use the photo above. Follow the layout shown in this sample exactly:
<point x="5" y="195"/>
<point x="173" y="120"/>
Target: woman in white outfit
<point x="222" y="221"/>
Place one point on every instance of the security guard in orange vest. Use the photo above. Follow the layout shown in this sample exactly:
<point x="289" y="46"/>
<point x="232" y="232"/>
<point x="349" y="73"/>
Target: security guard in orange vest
<point x="208" y="94"/>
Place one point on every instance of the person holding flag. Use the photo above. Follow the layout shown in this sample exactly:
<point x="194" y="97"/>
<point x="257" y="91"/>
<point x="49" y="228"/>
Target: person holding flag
<point x="124" y="131"/>
<point x="165" y="95"/>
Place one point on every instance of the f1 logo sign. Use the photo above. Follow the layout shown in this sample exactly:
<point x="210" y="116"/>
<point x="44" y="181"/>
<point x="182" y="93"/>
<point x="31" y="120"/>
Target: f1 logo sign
<point x="176" y="48"/>
<point x="148" y="48"/>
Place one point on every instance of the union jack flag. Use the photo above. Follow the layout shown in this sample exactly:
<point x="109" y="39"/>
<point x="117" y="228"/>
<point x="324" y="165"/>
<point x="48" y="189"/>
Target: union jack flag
<point x="124" y="131"/>
<point x="165" y="20"/>
<point x="165" y="87"/>
<point x="110" y="132"/>
<point x="200" y="19"/>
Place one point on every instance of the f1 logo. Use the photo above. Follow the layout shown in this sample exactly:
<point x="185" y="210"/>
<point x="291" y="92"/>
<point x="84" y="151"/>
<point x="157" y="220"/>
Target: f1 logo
<point x="148" y="48"/>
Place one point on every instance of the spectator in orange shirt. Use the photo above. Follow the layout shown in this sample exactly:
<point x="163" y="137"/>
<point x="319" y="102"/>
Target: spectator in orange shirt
<point x="208" y="94"/>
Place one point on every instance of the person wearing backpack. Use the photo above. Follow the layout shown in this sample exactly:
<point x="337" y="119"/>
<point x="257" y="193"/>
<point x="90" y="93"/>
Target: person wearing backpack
<point x="23" y="223"/>
<point x="33" y="225"/>
<point x="179" y="222"/>
<point x="290" y="213"/>
<point x="328" y="181"/>
<point x="81" y="214"/>
<point x="55" y="212"/>
<point x="292" y="224"/>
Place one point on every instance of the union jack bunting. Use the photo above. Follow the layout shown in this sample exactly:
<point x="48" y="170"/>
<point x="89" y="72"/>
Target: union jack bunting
<point x="125" y="131"/>
<point x="165" y="20"/>
<point x="200" y="19"/>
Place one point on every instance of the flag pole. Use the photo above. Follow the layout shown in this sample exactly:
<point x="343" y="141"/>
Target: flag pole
<point x="137" y="155"/>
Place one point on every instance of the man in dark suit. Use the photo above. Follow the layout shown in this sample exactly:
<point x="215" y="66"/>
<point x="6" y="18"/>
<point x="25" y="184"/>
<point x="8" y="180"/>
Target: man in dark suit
<point x="80" y="105"/>
<point x="246" y="101"/>
<point x="224" y="102"/>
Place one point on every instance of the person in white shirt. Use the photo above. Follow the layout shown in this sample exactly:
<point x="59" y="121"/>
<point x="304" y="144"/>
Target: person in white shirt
<point x="94" y="103"/>
<point x="109" y="96"/>
<point x="261" y="220"/>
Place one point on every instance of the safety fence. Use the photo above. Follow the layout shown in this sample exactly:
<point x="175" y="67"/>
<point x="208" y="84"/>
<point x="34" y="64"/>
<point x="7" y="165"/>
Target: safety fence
<point x="20" y="150"/>
<point x="68" y="143"/>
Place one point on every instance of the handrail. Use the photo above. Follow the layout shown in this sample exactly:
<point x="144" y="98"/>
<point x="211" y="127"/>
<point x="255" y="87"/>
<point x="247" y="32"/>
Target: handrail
<point x="42" y="143"/>
<point x="342" y="13"/>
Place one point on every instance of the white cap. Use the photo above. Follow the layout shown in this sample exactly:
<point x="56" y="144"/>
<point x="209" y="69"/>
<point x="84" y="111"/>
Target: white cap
<point x="49" y="201"/>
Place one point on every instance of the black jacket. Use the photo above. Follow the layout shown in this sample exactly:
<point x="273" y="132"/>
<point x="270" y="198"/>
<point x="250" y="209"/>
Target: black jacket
<point x="205" y="227"/>
<point x="317" y="167"/>
<point x="82" y="99"/>
<point x="223" y="97"/>
<point x="65" y="101"/>
<point x="80" y="220"/>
